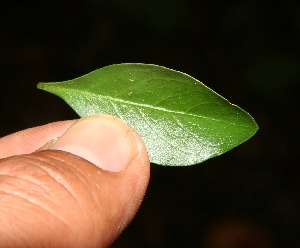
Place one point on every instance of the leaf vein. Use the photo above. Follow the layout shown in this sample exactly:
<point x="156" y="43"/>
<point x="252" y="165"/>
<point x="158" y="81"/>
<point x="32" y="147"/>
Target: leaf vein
<point x="119" y="100"/>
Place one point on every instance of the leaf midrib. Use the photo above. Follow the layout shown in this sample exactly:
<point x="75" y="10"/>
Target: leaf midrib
<point x="109" y="98"/>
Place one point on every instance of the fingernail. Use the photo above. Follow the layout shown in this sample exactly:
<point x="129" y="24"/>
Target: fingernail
<point x="105" y="141"/>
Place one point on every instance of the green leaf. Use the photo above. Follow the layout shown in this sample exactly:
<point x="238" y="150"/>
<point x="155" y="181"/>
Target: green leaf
<point x="181" y="121"/>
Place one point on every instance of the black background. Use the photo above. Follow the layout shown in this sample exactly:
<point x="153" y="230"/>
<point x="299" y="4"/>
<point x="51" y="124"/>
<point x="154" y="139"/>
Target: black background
<point x="248" y="51"/>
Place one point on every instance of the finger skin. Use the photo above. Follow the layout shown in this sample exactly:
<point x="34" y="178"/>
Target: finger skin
<point x="31" y="139"/>
<point x="56" y="199"/>
<point x="53" y="198"/>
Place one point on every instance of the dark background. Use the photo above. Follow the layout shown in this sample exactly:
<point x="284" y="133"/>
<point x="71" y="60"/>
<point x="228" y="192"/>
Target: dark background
<point x="245" y="50"/>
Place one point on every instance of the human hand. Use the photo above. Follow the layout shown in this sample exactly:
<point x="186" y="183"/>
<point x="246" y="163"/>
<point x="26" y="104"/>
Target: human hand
<point x="80" y="191"/>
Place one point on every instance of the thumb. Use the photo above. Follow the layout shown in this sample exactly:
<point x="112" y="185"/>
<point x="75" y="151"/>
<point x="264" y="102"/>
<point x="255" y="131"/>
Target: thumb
<point x="81" y="191"/>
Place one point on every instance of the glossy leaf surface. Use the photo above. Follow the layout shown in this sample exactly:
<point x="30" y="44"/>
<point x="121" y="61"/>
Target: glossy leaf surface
<point x="181" y="121"/>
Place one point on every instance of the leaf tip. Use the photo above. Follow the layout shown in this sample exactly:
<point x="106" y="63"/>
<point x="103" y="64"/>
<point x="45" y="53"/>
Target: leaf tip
<point x="41" y="86"/>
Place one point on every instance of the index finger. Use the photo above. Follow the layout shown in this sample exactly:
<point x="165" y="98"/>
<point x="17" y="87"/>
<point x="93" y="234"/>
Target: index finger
<point x="31" y="139"/>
